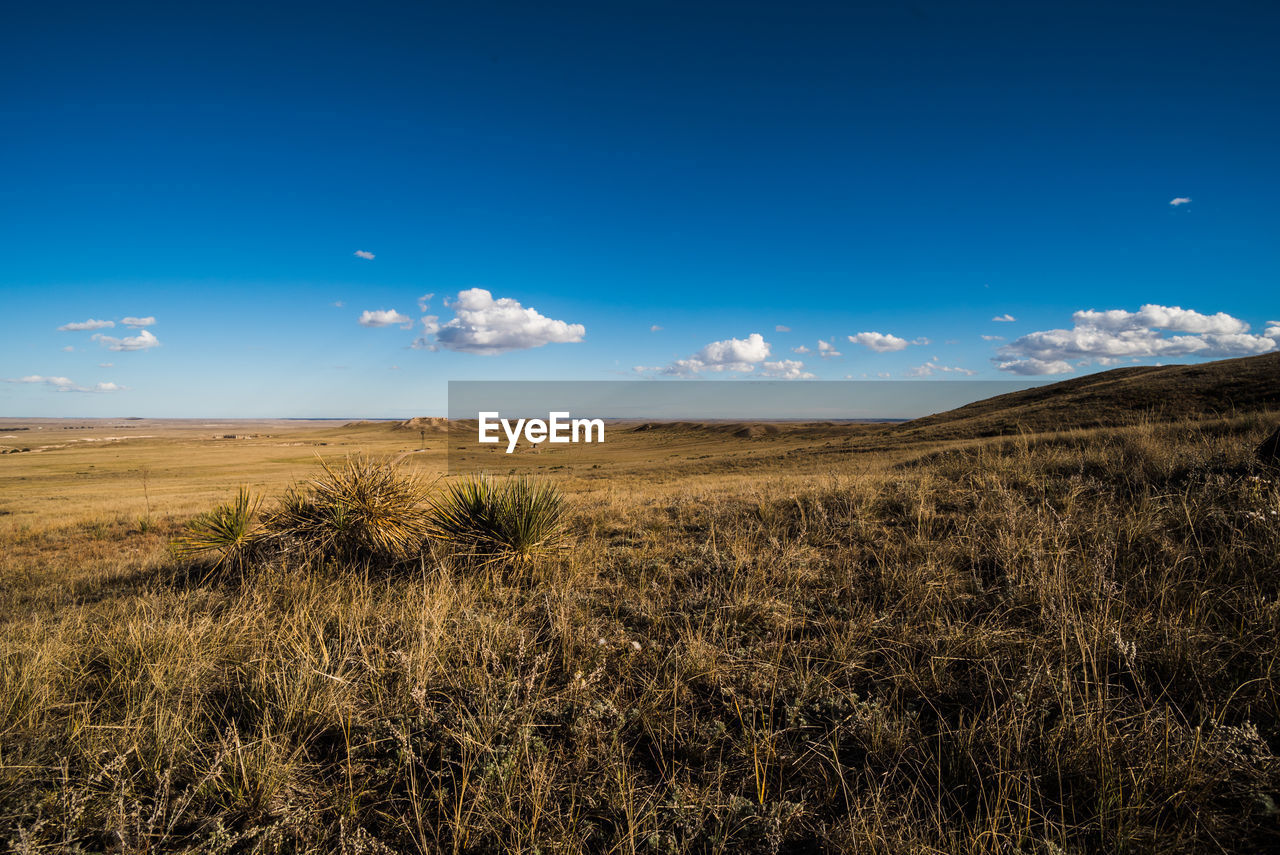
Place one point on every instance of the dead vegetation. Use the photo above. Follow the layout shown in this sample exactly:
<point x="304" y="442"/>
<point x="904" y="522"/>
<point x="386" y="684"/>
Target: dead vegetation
<point x="1053" y="644"/>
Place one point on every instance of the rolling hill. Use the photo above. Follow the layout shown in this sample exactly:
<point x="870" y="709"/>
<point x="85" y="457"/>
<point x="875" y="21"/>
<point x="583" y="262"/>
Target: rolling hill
<point x="1111" y="398"/>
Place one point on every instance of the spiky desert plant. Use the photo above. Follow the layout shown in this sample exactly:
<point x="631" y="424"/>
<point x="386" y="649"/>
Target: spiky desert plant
<point x="364" y="509"/>
<point x="228" y="533"/>
<point x="516" y="520"/>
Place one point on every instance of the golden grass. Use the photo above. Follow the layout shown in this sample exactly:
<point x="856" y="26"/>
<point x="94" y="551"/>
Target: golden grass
<point x="1045" y="644"/>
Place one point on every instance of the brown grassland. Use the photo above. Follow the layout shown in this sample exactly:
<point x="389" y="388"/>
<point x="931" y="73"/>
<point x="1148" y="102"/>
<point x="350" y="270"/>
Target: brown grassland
<point x="815" y="640"/>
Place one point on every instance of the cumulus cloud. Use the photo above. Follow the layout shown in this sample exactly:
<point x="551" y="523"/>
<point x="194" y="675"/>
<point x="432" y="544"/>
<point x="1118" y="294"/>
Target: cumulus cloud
<point x="879" y="342"/>
<point x="66" y="384"/>
<point x="488" y="326"/>
<point x="424" y="301"/>
<point x="1180" y="200"/>
<point x="802" y="349"/>
<point x="137" y="323"/>
<point x="732" y="354"/>
<point x="144" y="340"/>
<point x="1006" y="318"/>
<point x="384" y="318"/>
<point x="786" y="369"/>
<point x="367" y="256"/>
<point x="1106" y="337"/>
<point x="1169" y="318"/>
<point x="91" y="324"/>
<point x="782" y="328"/>
<point x="827" y="350"/>
<point x="1272" y="330"/>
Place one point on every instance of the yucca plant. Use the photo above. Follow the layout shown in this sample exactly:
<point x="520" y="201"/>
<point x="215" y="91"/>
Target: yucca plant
<point x="227" y="533"/>
<point x="512" y="521"/>
<point x="365" y="509"/>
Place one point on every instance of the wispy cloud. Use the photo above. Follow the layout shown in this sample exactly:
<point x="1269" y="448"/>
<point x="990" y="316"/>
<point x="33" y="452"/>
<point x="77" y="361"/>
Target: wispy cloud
<point x="144" y="340"/>
<point x="655" y="328"/>
<point x="487" y="326"/>
<point x="66" y="384"/>
<point x="1181" y="200"/>
<point x="782" y="328"/>
<point x="931" y="368"/>
<point x="1006" y="318"/>
<point x="137" y="323"/>
<point x="367" y="256"/>
<point x="91" y="324"/>
<point x="1106" y="337"/>
<point x="993" y="338"/>
<point x="424" y="302"/>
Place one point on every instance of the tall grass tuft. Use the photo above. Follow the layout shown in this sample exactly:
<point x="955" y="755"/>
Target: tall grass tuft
<point x="227" y="533"/>
<point x="513" y="521"/>
<point x="366" y="509"/>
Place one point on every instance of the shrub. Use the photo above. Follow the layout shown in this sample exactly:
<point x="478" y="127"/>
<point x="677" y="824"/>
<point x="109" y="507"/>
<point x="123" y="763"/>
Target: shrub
<point x="366" y="509"/>
<point x="226" y="533"/>
<point x="512" y="521"/>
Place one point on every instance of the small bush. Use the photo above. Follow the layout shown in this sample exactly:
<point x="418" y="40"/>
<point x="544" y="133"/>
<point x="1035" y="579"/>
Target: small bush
<point x="513" y="521"/>
<point x="227" y="533"/>
<point x="366" y="509"/>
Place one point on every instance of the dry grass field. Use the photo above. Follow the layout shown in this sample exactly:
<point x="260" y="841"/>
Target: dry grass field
<point x="814" y="640"/>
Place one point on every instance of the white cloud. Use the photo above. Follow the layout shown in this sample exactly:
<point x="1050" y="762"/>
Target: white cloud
<point x="879" y="342"/>
<point x="384" y="318"/>
<point x="106" y="365"/>
<point x="932" y="367"/>
<point x="1272" y="330"/>
<point x="424" y="301"/>
<point x="655" y="328"/>
<point x="367" y="256"/>
<point x="144" y="340"/>
<point x="66" y="384"/>
<point x="732" y="354"/>
<point x="827" y="350"/>
<point x="338" y="304"/>
<point x="786" y="369"/>
<point x="801" y="350"/>
<point x="91" y="324"/>
<point x="1169" y="318"/>
<point x="69" y="349"/>
<point x="137" y="323"/>
<point x="782" y="328"/>
<point x="488" y="326"/>
<point x="993" y="338"/>
<point x="1180" y="200"/>
<point x="1006" y="318"/>
<point x="1106" y="337"/>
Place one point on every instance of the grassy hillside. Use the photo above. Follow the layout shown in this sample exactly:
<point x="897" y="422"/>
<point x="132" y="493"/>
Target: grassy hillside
<point x="1112" y="398"/>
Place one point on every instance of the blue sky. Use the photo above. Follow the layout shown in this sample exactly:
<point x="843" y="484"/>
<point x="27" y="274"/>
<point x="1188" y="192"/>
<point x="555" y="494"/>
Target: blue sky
<point x="718" y="170"/>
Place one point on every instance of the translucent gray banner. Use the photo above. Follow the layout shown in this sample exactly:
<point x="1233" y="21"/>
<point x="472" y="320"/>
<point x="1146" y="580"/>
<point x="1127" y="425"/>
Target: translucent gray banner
<point x="500" y="426"/>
